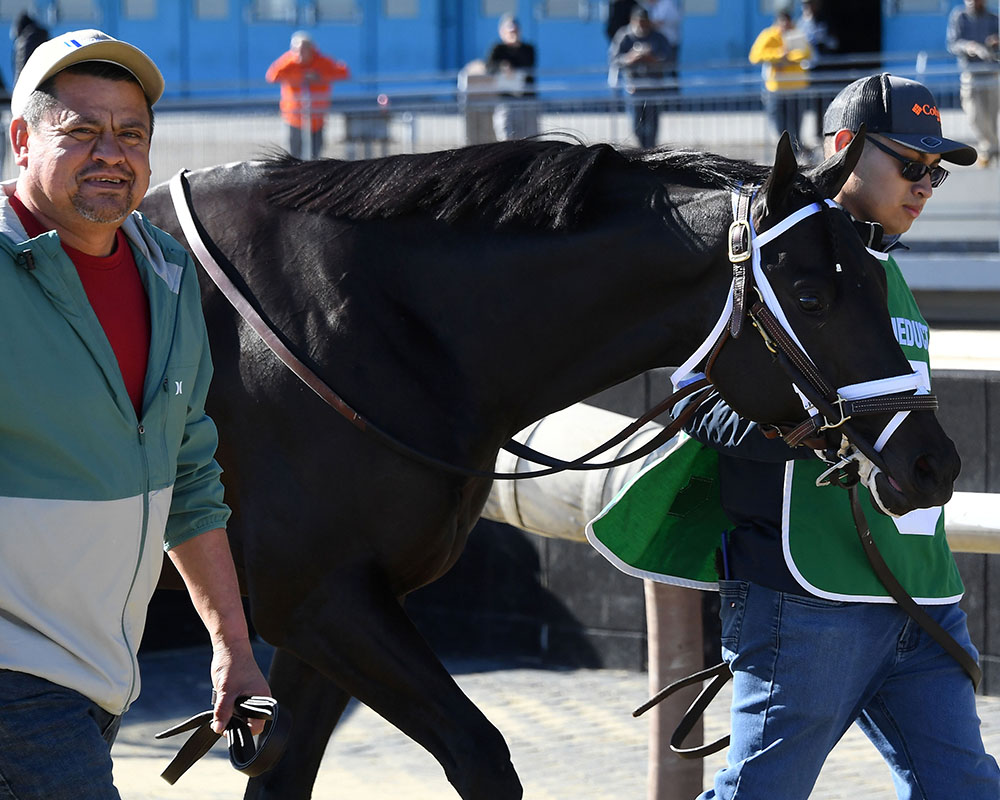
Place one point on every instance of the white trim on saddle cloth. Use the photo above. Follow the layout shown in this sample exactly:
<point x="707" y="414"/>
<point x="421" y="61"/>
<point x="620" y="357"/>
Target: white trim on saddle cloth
<point x="913" y="524"/>
<point x="649" y="533"/>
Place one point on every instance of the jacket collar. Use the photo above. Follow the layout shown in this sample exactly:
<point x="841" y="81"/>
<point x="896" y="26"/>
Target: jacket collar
<point x="134" y="227"/>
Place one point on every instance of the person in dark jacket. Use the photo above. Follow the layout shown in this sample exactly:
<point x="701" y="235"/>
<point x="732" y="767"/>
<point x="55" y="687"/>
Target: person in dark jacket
<point x="27" y="33"/>
<point x="619" y="13"/>
<point x="646" y="60"/>
<point x="974" y="37"/>
<point x="512" y="60"/>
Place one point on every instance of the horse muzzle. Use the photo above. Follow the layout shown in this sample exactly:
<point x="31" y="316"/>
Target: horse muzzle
<point x="927" y="482"/>
<point x="896" y="487"/>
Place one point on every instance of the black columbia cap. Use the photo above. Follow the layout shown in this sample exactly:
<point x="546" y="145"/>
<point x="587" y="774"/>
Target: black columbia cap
<point x="898" y="109"/>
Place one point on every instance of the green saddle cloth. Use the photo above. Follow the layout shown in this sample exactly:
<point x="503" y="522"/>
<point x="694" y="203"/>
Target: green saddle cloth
<point x="667" y="523"/>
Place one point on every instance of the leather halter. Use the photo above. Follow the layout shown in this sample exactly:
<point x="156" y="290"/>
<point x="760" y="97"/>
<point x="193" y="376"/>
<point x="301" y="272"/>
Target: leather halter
<point x="826" y="407"/>
<point x="740" y="252"/>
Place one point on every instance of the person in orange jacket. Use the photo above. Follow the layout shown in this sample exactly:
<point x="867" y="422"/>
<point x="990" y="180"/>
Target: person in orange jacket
<point x="305" y="76"/>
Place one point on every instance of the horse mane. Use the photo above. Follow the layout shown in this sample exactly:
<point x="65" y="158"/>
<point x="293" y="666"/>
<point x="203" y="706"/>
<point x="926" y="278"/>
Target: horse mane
<point x="526" y="183"/>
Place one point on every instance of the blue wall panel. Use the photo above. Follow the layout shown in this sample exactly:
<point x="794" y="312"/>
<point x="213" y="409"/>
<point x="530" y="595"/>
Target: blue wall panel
<point x="438" y="36"/>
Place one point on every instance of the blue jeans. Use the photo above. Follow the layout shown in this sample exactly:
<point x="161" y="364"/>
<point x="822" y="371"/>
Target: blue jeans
<point x="297" y="143"/>
<point x="645" y="117"/>
<point x="805" y="669"/>
<point x="784" y="112"/>
<point x="55" y="744"/>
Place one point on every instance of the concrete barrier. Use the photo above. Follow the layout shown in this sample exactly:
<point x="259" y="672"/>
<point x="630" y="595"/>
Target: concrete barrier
<point x="560" y="505"/>
<point x="972" y="522"/>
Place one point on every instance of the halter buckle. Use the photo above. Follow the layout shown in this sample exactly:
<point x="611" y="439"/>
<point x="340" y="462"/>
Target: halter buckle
<point x="839" y="402"/>
<point x="739" y="241"/>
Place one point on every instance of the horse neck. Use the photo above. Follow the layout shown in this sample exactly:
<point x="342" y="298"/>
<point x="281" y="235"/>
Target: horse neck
<point x="607" y="305"/>
<point x="512" y="325"/>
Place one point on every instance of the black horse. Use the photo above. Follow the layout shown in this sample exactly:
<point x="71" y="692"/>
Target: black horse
<point x="453" y="298"/>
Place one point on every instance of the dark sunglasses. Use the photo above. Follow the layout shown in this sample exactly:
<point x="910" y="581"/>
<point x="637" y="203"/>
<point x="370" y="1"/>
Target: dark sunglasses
<point x="913" y="171"/>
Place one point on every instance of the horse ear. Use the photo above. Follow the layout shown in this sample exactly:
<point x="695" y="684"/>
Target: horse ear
<point x="830" y="176"/>
<point x="782" y="177"/>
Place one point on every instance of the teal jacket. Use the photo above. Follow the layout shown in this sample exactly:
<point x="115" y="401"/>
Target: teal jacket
<point x="91" y="495"/>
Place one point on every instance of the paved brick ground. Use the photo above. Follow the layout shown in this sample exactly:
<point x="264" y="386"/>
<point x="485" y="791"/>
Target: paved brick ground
<point x="571" y="734"/>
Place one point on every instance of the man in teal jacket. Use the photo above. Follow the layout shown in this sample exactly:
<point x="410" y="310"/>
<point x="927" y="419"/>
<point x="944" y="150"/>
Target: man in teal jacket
<point x="106" y="454"/>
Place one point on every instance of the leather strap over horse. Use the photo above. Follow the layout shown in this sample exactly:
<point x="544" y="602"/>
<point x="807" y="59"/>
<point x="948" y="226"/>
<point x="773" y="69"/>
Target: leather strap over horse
<point x="741" y="246"/>
<point x="245" y="755"/>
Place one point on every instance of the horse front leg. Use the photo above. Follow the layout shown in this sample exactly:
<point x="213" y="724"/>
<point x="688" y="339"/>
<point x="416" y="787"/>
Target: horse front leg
<point x="316" y="704"/>
<point x="354" y="631"/>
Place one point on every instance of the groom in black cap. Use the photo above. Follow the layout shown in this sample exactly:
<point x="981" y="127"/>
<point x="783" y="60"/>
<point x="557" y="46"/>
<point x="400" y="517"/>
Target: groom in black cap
<point x="814" y="641"/>
<point x="904" y="140"/>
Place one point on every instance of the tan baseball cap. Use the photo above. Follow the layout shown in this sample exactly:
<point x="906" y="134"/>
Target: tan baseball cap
<point x="87" y="45"/>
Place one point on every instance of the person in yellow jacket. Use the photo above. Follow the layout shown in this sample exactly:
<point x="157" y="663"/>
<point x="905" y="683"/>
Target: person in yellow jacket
<point x="783" y="49"/>
<point x="305" y="76"/>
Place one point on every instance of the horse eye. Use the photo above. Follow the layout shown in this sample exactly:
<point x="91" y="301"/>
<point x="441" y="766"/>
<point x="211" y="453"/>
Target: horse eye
<point x="810" y="303"/>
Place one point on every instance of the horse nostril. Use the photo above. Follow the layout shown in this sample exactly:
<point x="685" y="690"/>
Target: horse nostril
<point x="925" y="472"/>
<point x="933" y="475"/>
<point x="929" y="471"/>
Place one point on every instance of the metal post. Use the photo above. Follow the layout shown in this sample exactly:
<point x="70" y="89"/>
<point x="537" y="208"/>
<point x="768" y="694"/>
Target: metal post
<point x="673" y="630"/>
<point x="409" y="120"/>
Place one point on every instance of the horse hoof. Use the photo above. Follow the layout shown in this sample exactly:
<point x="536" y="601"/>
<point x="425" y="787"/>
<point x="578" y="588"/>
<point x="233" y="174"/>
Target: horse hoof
<point x="490" y="784"/>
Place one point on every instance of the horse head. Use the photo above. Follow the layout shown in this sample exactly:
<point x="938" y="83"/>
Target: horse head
<point x="830" y="295"/>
